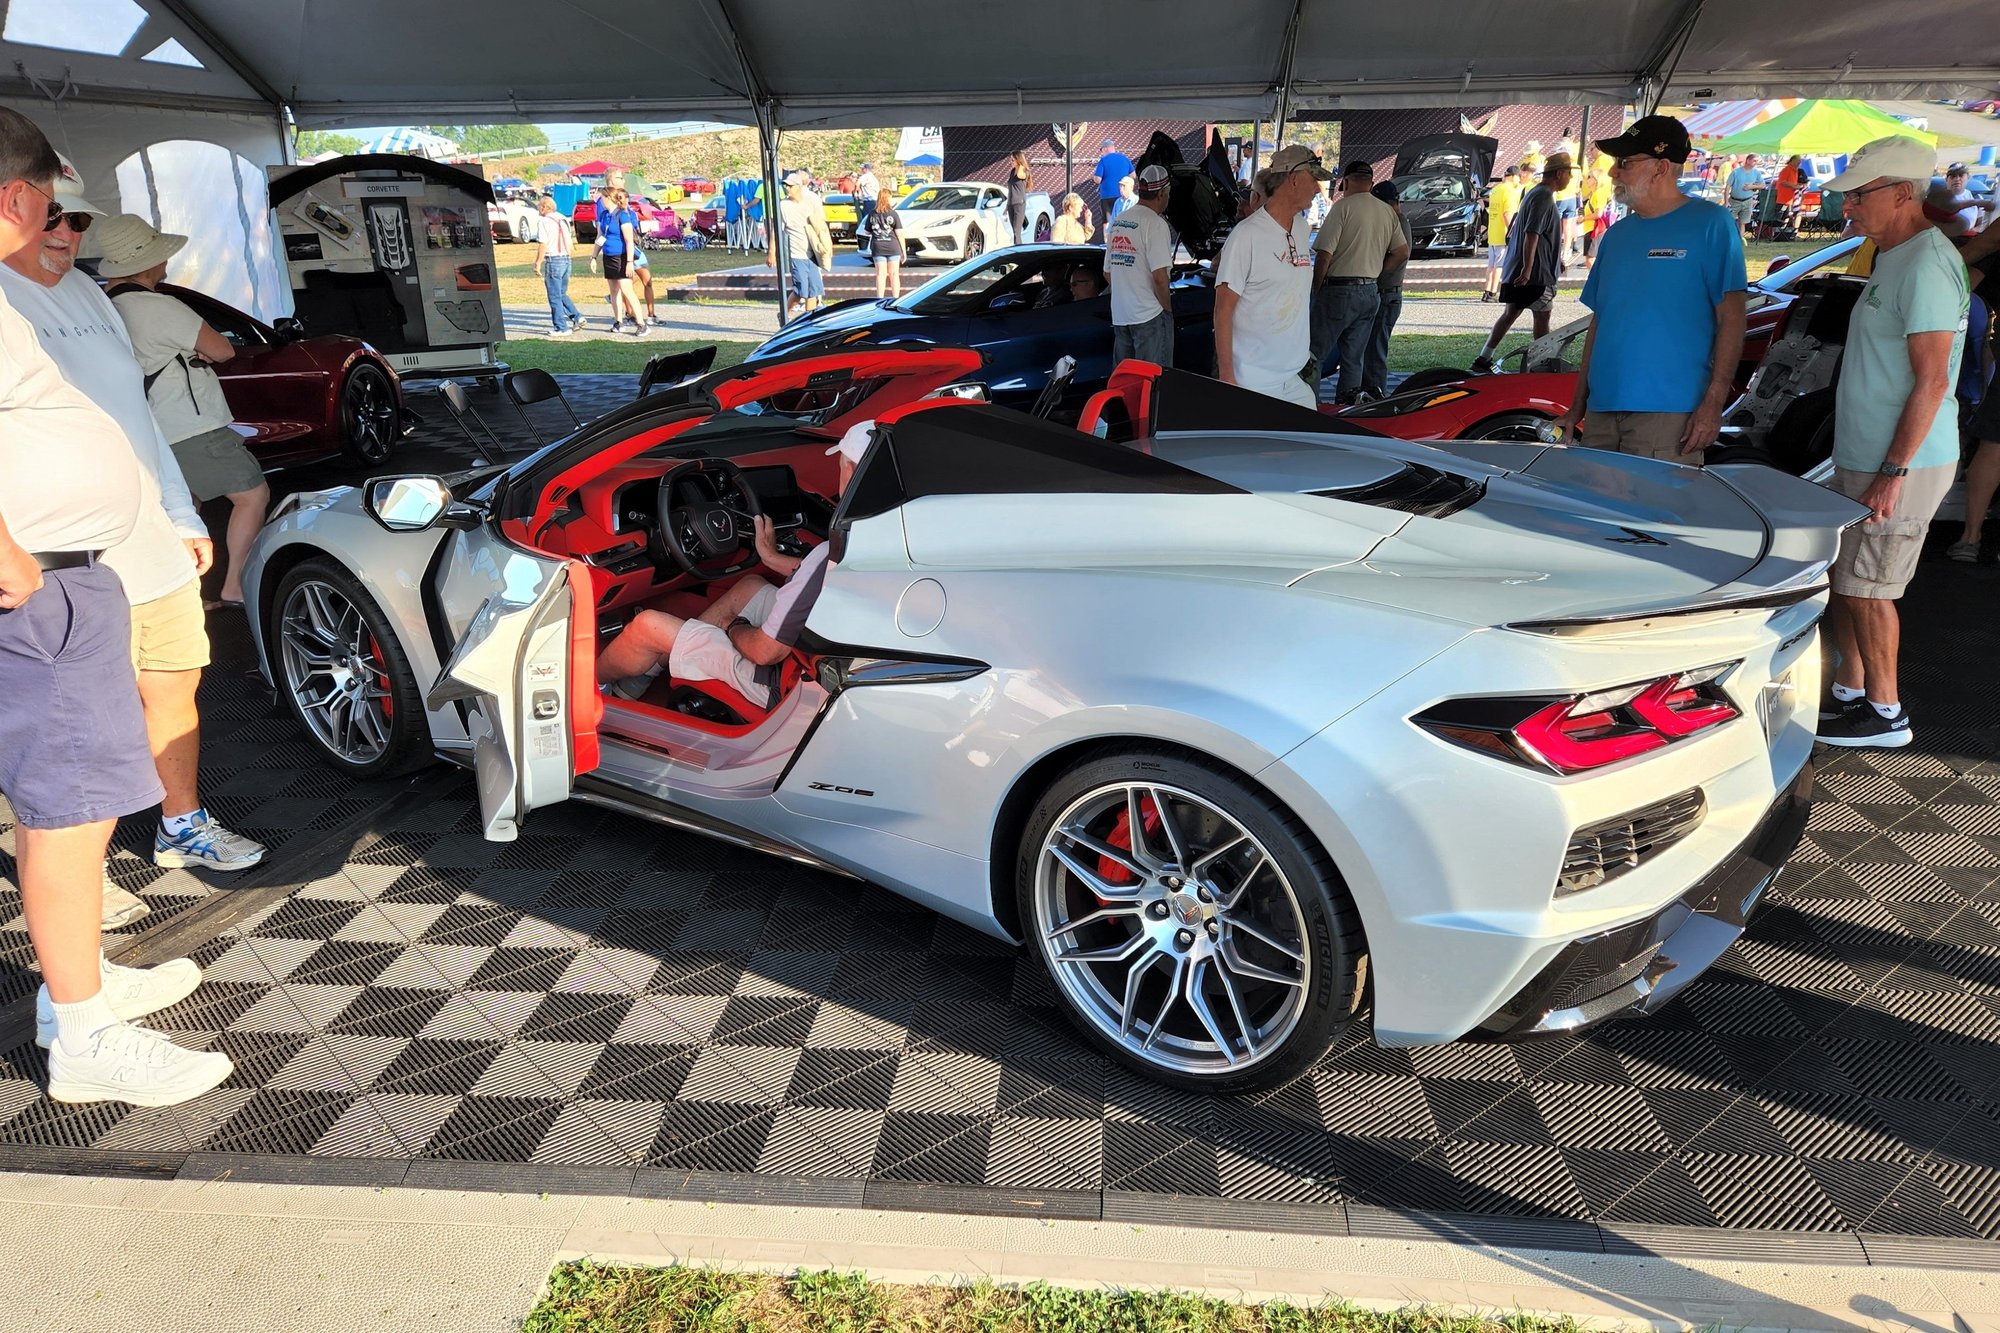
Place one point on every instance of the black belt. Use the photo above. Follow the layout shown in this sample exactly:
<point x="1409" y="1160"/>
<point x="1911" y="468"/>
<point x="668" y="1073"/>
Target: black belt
<point x="54" y="560"/>
<point x="1344" y="281"/>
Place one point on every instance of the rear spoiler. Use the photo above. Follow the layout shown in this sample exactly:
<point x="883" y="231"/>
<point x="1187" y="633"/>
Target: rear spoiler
<point x="1802" y="527"/>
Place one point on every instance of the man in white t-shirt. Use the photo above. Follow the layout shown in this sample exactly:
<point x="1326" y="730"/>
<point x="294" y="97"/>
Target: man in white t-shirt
<point x="161" y="563"/>
<point x="1139" y="258"/>
<point x="73" y="754"/>
<point x="1263" y="285"/>
<point x="553" y="258"/>
<point x="745" y="635"/>
<point x="177" y="351"/>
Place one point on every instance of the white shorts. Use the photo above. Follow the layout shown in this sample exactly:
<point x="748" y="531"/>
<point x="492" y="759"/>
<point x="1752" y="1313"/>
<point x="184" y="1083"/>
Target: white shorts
<point x="1496" y="255"/>
<point x="703" y="651"/>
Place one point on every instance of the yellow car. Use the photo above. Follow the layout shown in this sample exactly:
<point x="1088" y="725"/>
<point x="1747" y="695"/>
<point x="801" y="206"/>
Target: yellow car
<point x="843" y="215"/>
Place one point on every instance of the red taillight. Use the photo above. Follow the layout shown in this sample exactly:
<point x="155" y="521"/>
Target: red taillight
<point x="1577" y="733"/>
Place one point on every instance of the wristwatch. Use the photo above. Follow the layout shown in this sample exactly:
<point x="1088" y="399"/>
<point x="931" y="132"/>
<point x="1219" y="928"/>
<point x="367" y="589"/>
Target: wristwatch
<point x="1891" y="470"/>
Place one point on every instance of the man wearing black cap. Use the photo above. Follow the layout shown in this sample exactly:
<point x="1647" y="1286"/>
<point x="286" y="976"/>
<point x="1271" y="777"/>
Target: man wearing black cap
<point x="1666" y="299"/>
<point x="1138" y="258"/>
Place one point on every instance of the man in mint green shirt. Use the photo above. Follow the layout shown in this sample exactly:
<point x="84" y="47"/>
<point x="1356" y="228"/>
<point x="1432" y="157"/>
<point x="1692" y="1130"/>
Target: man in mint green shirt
<point x="1895" y="446"/>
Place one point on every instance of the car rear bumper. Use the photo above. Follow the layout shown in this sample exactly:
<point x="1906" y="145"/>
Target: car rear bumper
<point x="1639" y="967"/>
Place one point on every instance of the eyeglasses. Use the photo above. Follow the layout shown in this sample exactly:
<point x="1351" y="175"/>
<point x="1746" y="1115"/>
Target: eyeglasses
<point x="55" y="209"/>
<point x="1625" y="162"/>
<point x="1868" y="190"/>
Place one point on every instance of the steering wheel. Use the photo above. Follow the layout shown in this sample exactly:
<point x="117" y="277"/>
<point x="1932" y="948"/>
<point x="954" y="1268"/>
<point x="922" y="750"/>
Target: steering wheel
<point x="709" y="539"/>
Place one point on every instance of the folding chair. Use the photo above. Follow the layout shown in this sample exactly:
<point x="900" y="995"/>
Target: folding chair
<point x="670" y="368"/>
<point x="525" y="388"/>
<point x="461" y="408"/>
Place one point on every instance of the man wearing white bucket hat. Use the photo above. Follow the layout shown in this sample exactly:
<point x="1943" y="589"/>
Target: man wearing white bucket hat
<point x="161" y="563"/>
<point x="178" y="352"/>
<point x="1895" y="441"/>
<point x="748" y="632"/>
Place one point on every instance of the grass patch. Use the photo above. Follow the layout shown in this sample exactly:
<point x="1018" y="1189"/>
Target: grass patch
<point x="606" y="356"/>
<point x="520" y="286"/>
<point x="591" y="1298"/>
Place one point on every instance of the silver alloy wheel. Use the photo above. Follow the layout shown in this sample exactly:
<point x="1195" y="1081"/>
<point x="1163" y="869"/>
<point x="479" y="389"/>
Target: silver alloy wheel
<point x="1171" y="928"/>
<point x="335" y="672"/>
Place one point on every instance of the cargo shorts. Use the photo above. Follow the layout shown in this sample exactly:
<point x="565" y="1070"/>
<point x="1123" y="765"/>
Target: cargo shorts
<point x="1877" y="559"/>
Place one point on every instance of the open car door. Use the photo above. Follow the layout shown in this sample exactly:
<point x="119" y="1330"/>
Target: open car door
<point x="522" y="671"/>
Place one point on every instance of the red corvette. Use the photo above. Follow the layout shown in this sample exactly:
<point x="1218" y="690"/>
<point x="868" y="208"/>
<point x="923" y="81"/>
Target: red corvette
<point x="309" y="398"/>
<point x="1444" y="403"/>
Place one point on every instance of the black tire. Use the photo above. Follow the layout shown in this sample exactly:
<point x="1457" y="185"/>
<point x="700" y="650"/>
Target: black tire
<point x="1509" y="426"/>
<point x="409" y="743"/>
<point x="975" y="242"/>
<point x="1331" y="942"/>
<point x="1432" y="377"/>
<point x="369" y="418"/>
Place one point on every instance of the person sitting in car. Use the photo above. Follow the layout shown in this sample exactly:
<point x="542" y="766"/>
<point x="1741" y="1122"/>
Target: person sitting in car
<point x="745" y="633"/>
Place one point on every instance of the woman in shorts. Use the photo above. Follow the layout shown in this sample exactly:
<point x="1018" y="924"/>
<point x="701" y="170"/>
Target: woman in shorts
<point x="883" y="230"/>
<point x="617" y="238"/>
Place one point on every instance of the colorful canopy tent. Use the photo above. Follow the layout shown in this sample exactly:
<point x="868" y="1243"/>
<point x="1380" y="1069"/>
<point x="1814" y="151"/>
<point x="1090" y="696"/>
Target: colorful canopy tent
<point x="597" y="168"/>
<point x="552" y="169"/>
<point x="1820" y="126"/>
<point x="1726" y="118"/>
<point x="415" y="143"/>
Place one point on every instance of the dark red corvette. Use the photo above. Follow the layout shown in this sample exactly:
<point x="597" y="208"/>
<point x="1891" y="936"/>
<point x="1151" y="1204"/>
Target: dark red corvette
<point x="309" y="398"/>
<point x="1443" y="403"/>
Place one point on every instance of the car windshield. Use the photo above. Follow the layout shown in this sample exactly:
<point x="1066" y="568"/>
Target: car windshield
<point x="942" y="197"/>
<point x="958" y="289"/>
<point x="1419" y="189"/>
<point x="1819" y="263"/>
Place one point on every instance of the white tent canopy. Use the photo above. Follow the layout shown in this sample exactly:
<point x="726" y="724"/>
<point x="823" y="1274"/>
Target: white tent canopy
<point x="374" y="62"/>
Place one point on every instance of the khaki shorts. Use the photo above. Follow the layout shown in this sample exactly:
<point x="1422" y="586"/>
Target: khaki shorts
<point x="216" y="463"/>
<point x="703" y="651"/>
<point x="1647" y="434"/>
<point x="171" y="633"/>
<point x="1877" y="559"/>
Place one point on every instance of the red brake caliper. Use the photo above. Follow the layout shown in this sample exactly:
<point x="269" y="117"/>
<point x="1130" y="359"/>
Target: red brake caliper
<point x="381" y="666"/>
<point x="1121" y="838"/>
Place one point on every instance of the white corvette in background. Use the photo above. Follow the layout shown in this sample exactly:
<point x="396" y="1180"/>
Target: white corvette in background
<point x="1230" y="726"/>
<point x="956" y="220"/>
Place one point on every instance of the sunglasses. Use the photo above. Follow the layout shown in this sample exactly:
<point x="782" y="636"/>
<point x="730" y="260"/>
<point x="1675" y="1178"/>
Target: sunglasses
<point x="55" y="209"/>
<point x="1868" y="190"/>
<point x="1624" y="163"/>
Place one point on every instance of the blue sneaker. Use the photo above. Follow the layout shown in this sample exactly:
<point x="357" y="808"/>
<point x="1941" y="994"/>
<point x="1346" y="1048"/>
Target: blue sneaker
<point x="205" y="842"/>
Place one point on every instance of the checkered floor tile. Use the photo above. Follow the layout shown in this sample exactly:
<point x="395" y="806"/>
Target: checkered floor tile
<point x="608" y="992"/>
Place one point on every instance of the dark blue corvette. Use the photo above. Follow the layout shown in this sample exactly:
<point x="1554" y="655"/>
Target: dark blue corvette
<point x="1015" y="307"/>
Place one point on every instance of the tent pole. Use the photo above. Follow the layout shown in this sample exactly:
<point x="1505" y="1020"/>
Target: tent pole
<point x="1069" y="158"/>
<point x="1256" y="140"/>
<point x="767" y="152"/>
<point x="1289" y="56"/>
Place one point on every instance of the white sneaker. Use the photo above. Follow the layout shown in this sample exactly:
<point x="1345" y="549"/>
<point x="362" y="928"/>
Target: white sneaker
<point x="128" y="1064"/>
<point x="205" y="842"/>
<point x="132" y="992"/>
<point x="121" y="907"/>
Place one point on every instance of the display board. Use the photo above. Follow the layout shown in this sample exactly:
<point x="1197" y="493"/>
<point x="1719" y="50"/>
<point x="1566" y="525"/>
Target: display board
<point x="394" y="250"/>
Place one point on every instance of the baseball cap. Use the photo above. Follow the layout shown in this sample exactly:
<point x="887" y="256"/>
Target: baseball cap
<point x="1153" y="180"/>
<point x="855" y="443"/>
<point x="69" y="190"/>
<point x="1955" y="169"/>
<point x="1387" y="192"/>
<point x="1663" y="137"/>
<point x="1296" y="157"/>
<point x="797" y="176"/>
<point x="1896" y="157"/>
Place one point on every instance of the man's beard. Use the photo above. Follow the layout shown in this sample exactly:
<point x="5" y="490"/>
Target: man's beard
<point x="1621" y="196"/>
<point x="59" y="267"/>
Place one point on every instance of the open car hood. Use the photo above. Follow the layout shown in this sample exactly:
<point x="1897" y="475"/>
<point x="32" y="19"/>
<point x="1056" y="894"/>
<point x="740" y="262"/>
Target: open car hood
<point x="1448" y="155"/>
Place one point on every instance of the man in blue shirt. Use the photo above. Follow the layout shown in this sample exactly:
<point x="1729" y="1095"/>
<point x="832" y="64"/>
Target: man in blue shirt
<point x="1666" y="297"/>
<point x="1743" y="187"/>
<point x="1111" y="168"/>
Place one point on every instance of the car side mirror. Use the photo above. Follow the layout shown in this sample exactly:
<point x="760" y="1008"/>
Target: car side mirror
<point x="415" y="503"/>
<point x="287" y="330"/>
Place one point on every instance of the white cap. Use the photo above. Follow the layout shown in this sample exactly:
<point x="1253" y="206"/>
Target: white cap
<point x="855" y="443"/>
<point x="1897" y="157"/>
<point x="69" y="190"/>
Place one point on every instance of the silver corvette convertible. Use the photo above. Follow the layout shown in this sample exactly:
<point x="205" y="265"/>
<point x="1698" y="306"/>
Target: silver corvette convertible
<point x="1231" y="720"/>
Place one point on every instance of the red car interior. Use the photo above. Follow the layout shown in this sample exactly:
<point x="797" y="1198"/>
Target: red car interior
<point x="614" y="574"/>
